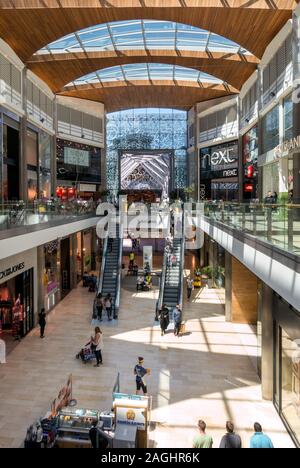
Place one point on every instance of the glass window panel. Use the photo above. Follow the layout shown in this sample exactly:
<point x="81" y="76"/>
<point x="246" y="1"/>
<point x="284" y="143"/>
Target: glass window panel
<point x="271" y="130"/>
<point x="290" y="383"/>
<point x="160" y="34"/>
<point x="288" y="118"/>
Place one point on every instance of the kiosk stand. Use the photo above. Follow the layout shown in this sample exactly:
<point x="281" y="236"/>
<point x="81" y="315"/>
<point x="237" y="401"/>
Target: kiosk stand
<point x="132" y="419"/>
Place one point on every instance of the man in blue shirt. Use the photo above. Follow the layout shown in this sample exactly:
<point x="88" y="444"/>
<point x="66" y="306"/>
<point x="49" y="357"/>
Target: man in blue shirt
<point x="260" y="440"/>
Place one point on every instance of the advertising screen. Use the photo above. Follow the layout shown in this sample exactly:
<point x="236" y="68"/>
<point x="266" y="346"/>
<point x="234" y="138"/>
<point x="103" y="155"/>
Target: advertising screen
<point x="146" y="171"/>
<point x="78" y="162"/>
<point x="76" y="157"/>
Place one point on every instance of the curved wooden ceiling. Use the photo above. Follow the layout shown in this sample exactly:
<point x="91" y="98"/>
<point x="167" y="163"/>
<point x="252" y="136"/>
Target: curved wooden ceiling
<point x="231" y="68"/>
<point x="180" y="95"/>
<point x="29" y="25"/>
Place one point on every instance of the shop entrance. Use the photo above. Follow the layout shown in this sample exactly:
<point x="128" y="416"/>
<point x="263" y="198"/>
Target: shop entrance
<point x="225" y="189"/>
<point x="65" y="267"/>
<point x="17" y="306"/>
<point x="11" y="148"/>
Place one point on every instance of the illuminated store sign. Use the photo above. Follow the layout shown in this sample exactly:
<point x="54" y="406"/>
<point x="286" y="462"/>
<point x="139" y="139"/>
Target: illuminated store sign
<point x="219" y="161"/>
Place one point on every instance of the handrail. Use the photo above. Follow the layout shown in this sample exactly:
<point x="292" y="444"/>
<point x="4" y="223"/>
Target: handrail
<point x="162" y="285"/>
<point x="159" y="303"/>
<point x="119" y="276"/>
<point x="181" y="294"/>
<point x="102" y="268"/>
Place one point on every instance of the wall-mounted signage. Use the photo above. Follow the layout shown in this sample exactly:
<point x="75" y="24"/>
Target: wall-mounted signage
<point x="287" y="147"/>
<point x="10" y="271"/>
<point x="219" y="161"/>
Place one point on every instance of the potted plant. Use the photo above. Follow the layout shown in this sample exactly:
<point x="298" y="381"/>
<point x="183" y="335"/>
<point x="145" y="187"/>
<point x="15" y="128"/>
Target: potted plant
<point x="207" y="276"/>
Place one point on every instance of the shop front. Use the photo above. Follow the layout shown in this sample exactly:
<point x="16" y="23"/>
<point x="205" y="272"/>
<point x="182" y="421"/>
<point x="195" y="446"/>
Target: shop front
<point x="17" y="299"/>
<point x="250" y="164"/>
<point x="49" y="277"/>
<point x="9" y="157"/>
<point x="277" y="168"/>
<point x="287" y="366"/>
<point x="78" y="170"/>
<point x="219" y="171"/>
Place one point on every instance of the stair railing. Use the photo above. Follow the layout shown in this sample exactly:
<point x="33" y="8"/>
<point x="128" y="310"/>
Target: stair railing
<point x="119" y="274"/>
<point x="181" y="284"/>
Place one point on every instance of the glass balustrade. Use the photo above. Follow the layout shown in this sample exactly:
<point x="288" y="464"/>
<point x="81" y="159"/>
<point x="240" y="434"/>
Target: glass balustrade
<point x="275" y="224"/>
<point x="19" y="213"/>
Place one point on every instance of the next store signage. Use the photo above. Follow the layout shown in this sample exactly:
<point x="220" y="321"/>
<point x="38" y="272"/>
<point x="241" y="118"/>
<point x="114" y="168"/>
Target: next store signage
<point x="219" y="161"/>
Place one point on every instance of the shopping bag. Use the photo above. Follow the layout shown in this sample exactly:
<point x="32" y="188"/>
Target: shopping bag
<point x="182" y="329"/>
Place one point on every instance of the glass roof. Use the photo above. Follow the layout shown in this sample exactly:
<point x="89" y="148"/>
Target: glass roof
<point x="142" y="34"/>
<point x="145" y="71"/>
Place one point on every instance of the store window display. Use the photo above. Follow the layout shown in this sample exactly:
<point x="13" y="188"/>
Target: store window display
<point x="51" y="275"/>
<point x="250" y="160"/>
<point x="290" y="385"/>
<point x="45" y="148"/>
<point x="32" y="162"/>
<point x="11" y="311"/>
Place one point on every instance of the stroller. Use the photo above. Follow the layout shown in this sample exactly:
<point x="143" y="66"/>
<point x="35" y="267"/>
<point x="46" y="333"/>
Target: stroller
<point x="86" y="354"/>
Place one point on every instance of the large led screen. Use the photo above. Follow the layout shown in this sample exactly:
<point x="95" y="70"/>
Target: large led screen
<point x="146" y="171"/>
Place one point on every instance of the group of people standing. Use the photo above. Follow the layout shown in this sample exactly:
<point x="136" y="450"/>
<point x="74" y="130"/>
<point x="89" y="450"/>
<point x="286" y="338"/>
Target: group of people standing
<point x="231" y="440"/>
<point x="104" y="304"/>
<point x="164" y="319"/>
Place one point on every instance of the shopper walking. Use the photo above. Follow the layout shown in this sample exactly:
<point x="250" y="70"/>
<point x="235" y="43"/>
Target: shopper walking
<point x="177" y="317"/>
<point x="164" y="319"/>
<point x="140" y="372"/>
<point x="202" y="440"/>
<point x="97" y="342"/>
<point x="99" y="306"/>
<point x="131" y="259"/>
<point x="42" y="322"/>
<point x="108" y="306"/>
<point x="260" y="440"/>
<point x="190" y="287"/>
<point x="231" y="440"/>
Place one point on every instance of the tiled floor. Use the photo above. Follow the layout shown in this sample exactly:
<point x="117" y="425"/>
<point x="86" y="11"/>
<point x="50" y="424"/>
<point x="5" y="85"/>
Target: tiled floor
<point x="206" y="374"/>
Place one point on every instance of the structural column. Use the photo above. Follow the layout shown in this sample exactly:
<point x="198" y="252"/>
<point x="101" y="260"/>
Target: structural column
<point x="228" y="286"/>
<point x="241" y="292"/>
<point x="296" y="100"/>
<point x="267" y="342"/>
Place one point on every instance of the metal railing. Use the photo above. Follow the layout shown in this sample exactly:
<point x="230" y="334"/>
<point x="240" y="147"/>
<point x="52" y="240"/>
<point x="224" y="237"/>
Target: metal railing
<point x="276" y="224"/>
<point x="19" y="213"/>
<point x="162" y="285"/>
<point x="119" y="276"/>
<point x="180" y="302"/>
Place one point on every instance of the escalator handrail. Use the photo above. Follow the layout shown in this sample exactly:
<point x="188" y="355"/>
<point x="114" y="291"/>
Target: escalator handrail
<point x="103" y="263"/>
<point x="119" y="274"/>
<point x="162" y="283"/>
<point x="163" y="275"/>
<point x="181" y="291"/>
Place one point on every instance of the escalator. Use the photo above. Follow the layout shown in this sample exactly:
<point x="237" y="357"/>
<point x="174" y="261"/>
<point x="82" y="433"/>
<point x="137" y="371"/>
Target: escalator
<point x="111" y="269"/>
<point x="172" y="279"/>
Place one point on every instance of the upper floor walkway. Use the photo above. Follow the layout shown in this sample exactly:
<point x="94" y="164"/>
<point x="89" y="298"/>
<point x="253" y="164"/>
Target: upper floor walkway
<point x="265" y="238"/>
<point x="25" y="226"/>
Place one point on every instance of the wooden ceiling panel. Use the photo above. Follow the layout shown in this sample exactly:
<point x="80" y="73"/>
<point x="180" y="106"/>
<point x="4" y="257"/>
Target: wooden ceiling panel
<point x="29" y="29"/>
<point x="29" y="25"/>
<point x="234" y="70"/>
<point x="116" y="96"/>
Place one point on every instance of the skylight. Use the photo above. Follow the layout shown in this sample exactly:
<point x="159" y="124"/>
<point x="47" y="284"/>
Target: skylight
<point x="144" y="35"/>
<point x="145" y="71"/>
